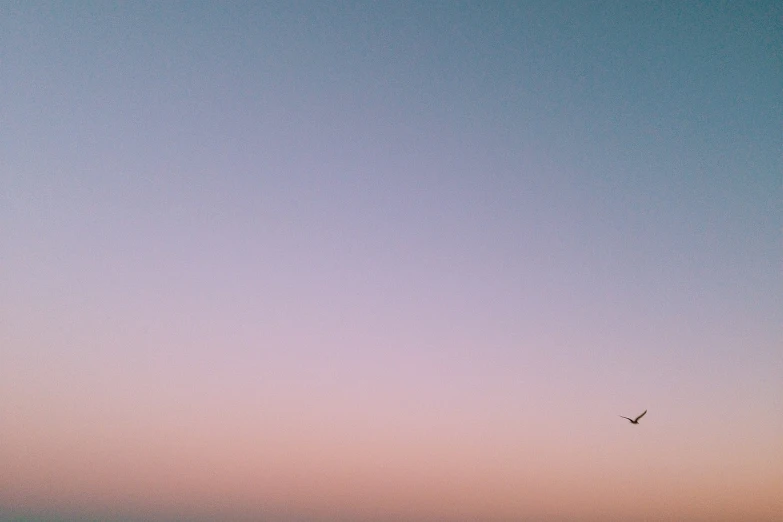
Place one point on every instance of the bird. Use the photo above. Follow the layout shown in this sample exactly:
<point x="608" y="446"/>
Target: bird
<point x="636" y="420"/>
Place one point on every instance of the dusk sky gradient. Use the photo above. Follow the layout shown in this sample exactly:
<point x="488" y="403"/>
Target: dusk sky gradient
<point x="391" y="261"/>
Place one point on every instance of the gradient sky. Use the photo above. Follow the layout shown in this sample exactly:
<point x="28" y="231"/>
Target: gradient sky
<point x="379" y="261"/>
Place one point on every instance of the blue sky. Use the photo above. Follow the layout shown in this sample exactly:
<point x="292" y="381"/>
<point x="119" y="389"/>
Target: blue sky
<point x="480" y="213"/>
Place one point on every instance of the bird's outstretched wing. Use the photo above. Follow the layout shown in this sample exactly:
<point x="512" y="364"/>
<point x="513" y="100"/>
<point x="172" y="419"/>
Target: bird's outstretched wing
<point x="625" y="418"/>
<point x="640" y="416"/>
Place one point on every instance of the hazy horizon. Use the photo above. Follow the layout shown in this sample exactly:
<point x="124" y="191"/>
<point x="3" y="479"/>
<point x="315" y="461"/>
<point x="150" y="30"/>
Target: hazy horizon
<point x="334" y="261"/>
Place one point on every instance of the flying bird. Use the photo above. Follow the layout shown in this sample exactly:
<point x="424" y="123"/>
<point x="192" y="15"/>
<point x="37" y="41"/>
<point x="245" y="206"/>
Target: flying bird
<point x="636" y="420"/>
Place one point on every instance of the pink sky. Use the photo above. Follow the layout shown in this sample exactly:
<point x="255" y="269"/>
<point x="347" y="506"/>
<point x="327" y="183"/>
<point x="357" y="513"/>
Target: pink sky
<point x="384" y="261"/>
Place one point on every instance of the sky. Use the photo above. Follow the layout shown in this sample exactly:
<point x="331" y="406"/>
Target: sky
<point x="379" y="261"/>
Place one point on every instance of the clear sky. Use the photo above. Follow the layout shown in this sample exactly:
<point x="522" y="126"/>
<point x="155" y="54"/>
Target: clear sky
<point x="379" y="261"/>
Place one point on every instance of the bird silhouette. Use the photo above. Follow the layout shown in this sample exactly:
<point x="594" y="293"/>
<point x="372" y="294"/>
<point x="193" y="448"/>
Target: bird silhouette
<point x="636" y="420"/>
